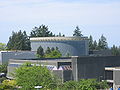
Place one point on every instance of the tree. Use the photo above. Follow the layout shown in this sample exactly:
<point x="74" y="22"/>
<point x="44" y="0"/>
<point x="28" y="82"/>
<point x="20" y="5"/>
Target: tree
<point x="2" y="46"/>
<point x="91" y="47"/>
<point x="40" y="52"/>
<point x="60" y="35"/>
<point x="102" y="44"/>
<point x="95" y="46"/>
<point x="53" y="53"/>
<point x="92" y="84"/>
<point x="30" y="76"/>
<point x="49" y="53"/>
<point x="48" y="50"/>
<point x="77" y="32"/>
<point x="84" y="84"/>
<point x="115" y="50"/>
<point x="8" y="85"/>
<point x="19" y="41"/>
<point x="3" y="68"/>
<point x="41" y="31"/>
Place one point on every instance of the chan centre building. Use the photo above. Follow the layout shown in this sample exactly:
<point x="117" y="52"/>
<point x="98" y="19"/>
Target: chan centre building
<point x="72" y="46"/>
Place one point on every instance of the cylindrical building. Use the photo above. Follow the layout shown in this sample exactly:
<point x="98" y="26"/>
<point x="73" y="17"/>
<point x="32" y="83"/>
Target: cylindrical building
<point x="73" y="46"/>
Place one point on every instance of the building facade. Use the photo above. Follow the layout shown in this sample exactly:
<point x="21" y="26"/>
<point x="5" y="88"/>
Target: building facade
<point x="6" y="55"/>
<point x="73" y="68"/>
<point x="72" y="46"/>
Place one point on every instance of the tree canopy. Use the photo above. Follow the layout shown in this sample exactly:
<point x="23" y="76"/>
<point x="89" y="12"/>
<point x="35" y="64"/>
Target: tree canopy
<point x="30" y="76"/>
<point x="115" y="50"/>
<point x="3" y="68"/>
<point x="2" y="46"/>
<point x="100" y="45"/>
<point x="84" y="84"/>
<point x="77" y="32"/>
<point x="41" y="31"/>
<point x="19" y="41"/>
<point x="49" y="53"/>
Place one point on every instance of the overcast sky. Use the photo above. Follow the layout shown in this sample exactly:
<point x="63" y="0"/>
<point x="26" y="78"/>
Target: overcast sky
<point x="94" y="17"/>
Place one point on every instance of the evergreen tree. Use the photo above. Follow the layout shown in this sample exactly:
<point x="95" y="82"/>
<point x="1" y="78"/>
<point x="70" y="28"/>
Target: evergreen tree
<point x="18" y="41"/>
<point x="60" y="35"/>
<point x="95" y="46"/>
<point x="102" y="44"/>
<point x="52" y="49"/>
<point x="41" y="31"/>
<point x="77" y="32"/>
<point x="55" y="53"/>
<point x="115" y="50"/>
<point x="48" y="51"/>
<point x="91" y="47"/>
<point x="40" y="52"/>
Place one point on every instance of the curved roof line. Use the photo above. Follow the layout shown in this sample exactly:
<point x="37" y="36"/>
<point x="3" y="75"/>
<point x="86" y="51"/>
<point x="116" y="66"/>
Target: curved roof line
<point x="58" y="38"/>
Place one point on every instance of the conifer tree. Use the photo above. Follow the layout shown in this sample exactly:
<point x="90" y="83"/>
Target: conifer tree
<point x="19" y="41"/>
<point x="77" y="32"/>
<point x="102" y="44"/>
<point x="91" y="47"/>
<point x="40" y="52"/>
<point x="41" y="31"/>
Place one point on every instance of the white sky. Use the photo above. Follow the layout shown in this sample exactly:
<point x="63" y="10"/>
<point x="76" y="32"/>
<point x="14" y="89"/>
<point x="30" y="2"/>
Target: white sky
<point x="94" y="17"/>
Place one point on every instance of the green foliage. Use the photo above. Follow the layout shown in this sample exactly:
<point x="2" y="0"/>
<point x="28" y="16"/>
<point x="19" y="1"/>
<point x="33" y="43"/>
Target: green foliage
<point x="91" y="47"/>
<point x="2" y="79"/>
<point x="115" y="50"/>
<point x="89" y="84"/>
<point x="60" y="35"/>
<point x="49" y="53"/>
<point x="70" y="85"/>
<point x="18" y="41"/>
<point x="8" y="85"/>
<point x="77" y="32"/>
<point x="3" y="68"/>
<point x="29" y="77"/>
<point x="101" y="45"/>
<point x="41" y="31"/>
<point x="2" y="46"/>
<point x="83" y="84"/>
<point x="53" y="54"/>
<point x="40" y="52"/>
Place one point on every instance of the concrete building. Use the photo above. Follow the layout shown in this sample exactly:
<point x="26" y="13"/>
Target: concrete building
<point x="112" y="76"/>
<point x="6" y="55"/>
<point x="73" y="68"/>
<point x="74" y="46"/>
<point x="61" y="67"/>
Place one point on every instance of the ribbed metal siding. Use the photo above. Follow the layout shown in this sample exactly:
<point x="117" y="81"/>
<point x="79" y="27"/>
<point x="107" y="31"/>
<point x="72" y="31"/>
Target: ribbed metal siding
<point x="74" y="48"/>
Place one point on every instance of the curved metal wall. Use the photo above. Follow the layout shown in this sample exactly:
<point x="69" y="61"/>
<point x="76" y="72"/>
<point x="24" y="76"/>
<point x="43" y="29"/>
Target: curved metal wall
<point x="74" y="48"/>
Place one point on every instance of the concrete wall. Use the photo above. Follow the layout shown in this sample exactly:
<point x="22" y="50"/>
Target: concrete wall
<point x="93" y="67"/>
<point x="63" y="75"/>
<point x="73" y="48"/>
<point x="15" y="63"/>
<point x="82" y="67"/>
<point x="116" y="79"/>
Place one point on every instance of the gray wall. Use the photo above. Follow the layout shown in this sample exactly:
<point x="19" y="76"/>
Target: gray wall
<point x="5" y="56"/>
<point x="64" y="75"/>
<point x="93" y="67"/>
<point x="74" y="48"/>
<point x="116" y="77"/>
